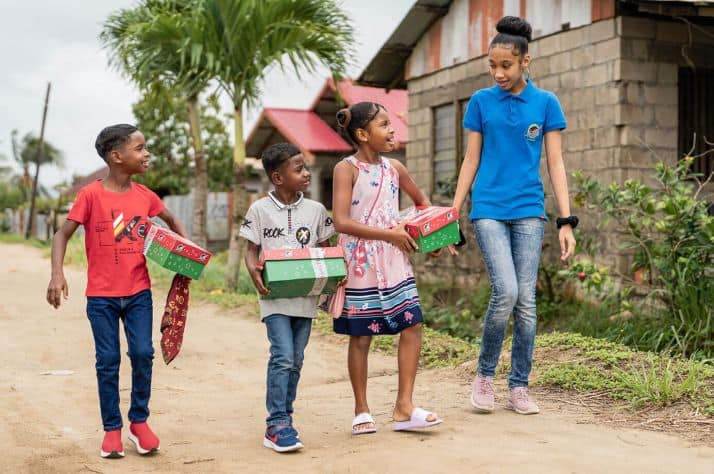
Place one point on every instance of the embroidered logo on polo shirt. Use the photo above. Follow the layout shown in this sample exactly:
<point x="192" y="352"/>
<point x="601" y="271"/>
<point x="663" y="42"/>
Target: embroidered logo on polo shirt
<point x="303" y="235"/>
<point x="533" y="132"/>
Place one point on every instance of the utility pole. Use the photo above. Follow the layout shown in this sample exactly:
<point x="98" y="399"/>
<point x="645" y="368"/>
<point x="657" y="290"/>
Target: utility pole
<point x="40" y="149"/>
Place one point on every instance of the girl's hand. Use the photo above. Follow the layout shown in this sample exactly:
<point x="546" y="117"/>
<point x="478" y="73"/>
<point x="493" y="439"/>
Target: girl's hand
<point x="452" y="250"/>
<point x="567" y="242"/>
<point x="435" y="253"/>
<point x="400" y="238"/>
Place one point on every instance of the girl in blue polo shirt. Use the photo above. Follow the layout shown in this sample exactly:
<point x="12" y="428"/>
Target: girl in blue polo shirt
<point x="508" y="124"/>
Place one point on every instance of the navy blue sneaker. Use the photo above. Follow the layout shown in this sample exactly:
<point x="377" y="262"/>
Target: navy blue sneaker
<point x="282" y="439"/>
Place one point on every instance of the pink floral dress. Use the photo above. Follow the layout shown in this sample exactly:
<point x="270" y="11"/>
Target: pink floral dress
<point x="381" y="295"/>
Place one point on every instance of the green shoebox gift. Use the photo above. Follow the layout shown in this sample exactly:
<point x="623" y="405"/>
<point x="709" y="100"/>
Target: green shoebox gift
<point x="290" y="273"/>
<point x="175" y="253"/>
<point x="432" y="227"/>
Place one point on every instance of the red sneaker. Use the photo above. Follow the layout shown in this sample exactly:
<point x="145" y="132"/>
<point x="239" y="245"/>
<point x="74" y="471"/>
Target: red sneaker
<point x="143" y="438"/>
<point x="112" y="446"/>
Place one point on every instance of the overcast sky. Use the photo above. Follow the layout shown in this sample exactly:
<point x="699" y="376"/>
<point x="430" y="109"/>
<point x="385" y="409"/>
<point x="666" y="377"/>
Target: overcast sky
<point x="57" y="41"/>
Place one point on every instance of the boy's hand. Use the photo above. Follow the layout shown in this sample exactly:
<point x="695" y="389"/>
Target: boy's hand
<point x="401" y="239"/>
<point x="56" y="289"/>
<point x="452" y="250"/>
<point x="256" y="274"/>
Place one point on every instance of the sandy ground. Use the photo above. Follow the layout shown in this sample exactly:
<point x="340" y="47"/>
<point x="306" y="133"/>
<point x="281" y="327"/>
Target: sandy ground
<point x="208" y="406"/>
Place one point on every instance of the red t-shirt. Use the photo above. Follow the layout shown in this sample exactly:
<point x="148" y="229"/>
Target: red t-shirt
<point x="115" y="225"/>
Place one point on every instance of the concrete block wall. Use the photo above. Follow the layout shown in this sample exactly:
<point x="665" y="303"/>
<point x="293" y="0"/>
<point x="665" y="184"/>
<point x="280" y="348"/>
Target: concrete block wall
<point x="617" y="83"/>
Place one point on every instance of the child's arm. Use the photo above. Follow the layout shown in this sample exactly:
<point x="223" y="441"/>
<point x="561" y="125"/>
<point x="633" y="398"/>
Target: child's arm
<point x="341" y="202"/>
<point x="407" y="184"/>
<point x="173" y="223"/>
<point x="255" y="268"/>
<point x="559" y="182"/>
<point x="58" y="284"/>
<point x="467" y="173"/>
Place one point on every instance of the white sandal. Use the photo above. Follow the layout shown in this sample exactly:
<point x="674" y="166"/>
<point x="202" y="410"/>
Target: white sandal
<point x="417" y="421"/>
<point x="362" y="419"/>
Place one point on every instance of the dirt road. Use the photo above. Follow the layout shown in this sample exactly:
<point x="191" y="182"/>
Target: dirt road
<point x="208" y="406"/>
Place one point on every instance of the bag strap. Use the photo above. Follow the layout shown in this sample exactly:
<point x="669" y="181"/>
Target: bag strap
<point x="369" y="214"/>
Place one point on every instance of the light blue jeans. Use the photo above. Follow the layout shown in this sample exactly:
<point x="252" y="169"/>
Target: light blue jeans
<point x="288" y="337"/>
<point x="511" y="251"/>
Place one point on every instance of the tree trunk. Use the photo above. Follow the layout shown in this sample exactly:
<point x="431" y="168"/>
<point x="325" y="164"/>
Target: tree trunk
<point x="240" y="204"/>
<point x="200" y="189"/>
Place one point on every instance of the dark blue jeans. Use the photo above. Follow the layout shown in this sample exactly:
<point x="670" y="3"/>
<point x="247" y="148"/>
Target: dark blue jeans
<point x="288" y="337"/>
<point x="511" y="251"/>
<point x="136" y="312"/>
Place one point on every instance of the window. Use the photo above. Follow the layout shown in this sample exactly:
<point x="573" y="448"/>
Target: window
<point x="696" y="116"/>
<point x="445" y="149"/>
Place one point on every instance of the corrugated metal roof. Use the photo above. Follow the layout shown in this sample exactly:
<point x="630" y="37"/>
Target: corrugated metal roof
<point x="395" y="101"/>
<point x="387" y="68"/>
<point x="303" y="128"/>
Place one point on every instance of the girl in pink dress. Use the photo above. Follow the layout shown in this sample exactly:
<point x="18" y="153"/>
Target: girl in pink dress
<point x="381" y="295"/>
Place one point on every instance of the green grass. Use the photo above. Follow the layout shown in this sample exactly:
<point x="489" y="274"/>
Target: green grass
<point x="7" y="238"/>
<point x="581" y="363"/>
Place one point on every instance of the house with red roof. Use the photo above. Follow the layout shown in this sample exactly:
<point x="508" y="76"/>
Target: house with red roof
<point x="314" y="130"/>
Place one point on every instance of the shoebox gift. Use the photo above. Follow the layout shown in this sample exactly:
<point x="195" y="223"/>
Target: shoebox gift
<point x="432" y="227"/>
<point x="289" y="273"/>
<point x="175" y="253"/>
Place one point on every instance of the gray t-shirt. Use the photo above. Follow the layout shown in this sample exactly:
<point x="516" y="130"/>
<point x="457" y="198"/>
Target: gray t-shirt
<point x="274" y="225"/>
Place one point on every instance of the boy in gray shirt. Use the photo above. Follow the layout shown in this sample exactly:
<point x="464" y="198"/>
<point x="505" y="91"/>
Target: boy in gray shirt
<point x="284" y="219"/>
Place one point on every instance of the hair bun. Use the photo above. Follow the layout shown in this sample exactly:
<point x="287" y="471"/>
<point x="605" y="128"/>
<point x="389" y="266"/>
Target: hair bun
<point x="512" y="25"/>
<point x="344" y="117"/>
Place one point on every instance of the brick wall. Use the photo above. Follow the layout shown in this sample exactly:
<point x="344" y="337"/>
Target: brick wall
<point x="617" y="82"/>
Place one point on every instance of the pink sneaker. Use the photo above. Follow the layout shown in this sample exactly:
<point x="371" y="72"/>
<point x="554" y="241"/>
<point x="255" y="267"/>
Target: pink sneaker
<point x="519" y="402"/>
<point x="482" y="397"/>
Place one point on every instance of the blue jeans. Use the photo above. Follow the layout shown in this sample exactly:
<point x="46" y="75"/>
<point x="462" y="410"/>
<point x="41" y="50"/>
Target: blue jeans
<point x="288" y="337"/>
<point x="511" y="251"/>
<point x="136" y="312"/>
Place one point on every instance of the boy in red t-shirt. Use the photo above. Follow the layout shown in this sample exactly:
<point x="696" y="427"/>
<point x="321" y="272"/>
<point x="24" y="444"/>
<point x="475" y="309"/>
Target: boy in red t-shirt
<point x="114" y="212"/>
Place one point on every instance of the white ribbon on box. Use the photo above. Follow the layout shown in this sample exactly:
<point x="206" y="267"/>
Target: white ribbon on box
<point x="317" y="258"/>
<point x="150" y="237"/>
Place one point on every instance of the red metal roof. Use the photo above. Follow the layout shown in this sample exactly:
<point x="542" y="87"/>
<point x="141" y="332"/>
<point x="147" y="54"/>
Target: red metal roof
<point x="306" y="130"/>
<point x="396" y="102"/>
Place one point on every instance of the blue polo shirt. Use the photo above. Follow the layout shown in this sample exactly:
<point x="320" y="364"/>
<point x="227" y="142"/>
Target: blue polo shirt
<point x="508" y="184"/>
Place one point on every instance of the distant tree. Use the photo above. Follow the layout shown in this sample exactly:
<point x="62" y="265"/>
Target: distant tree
<point x="163" y="118"/>
<point x="25" y="153"/>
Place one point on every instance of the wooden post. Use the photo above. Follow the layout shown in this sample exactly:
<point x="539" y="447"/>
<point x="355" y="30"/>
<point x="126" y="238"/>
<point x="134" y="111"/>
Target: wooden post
<point x="40" y="149"/>
<point x="40" y="146"/>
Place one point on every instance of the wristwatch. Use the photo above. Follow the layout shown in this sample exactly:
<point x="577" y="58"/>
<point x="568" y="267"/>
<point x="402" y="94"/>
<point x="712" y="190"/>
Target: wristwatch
<point x="572" y="221"/>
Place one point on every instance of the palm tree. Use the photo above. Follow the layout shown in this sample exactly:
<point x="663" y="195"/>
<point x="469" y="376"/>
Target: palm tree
<point x="240" y="41"/>
<point x="144" y="42"/>
<point x="25" y="154"/>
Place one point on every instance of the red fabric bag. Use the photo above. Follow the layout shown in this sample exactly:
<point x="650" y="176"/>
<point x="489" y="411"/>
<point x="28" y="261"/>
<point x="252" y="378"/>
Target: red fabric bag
<point x="173" y="321"/>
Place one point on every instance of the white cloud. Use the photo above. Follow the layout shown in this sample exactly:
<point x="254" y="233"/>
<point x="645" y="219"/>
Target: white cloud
<point x="57" y="41"/>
